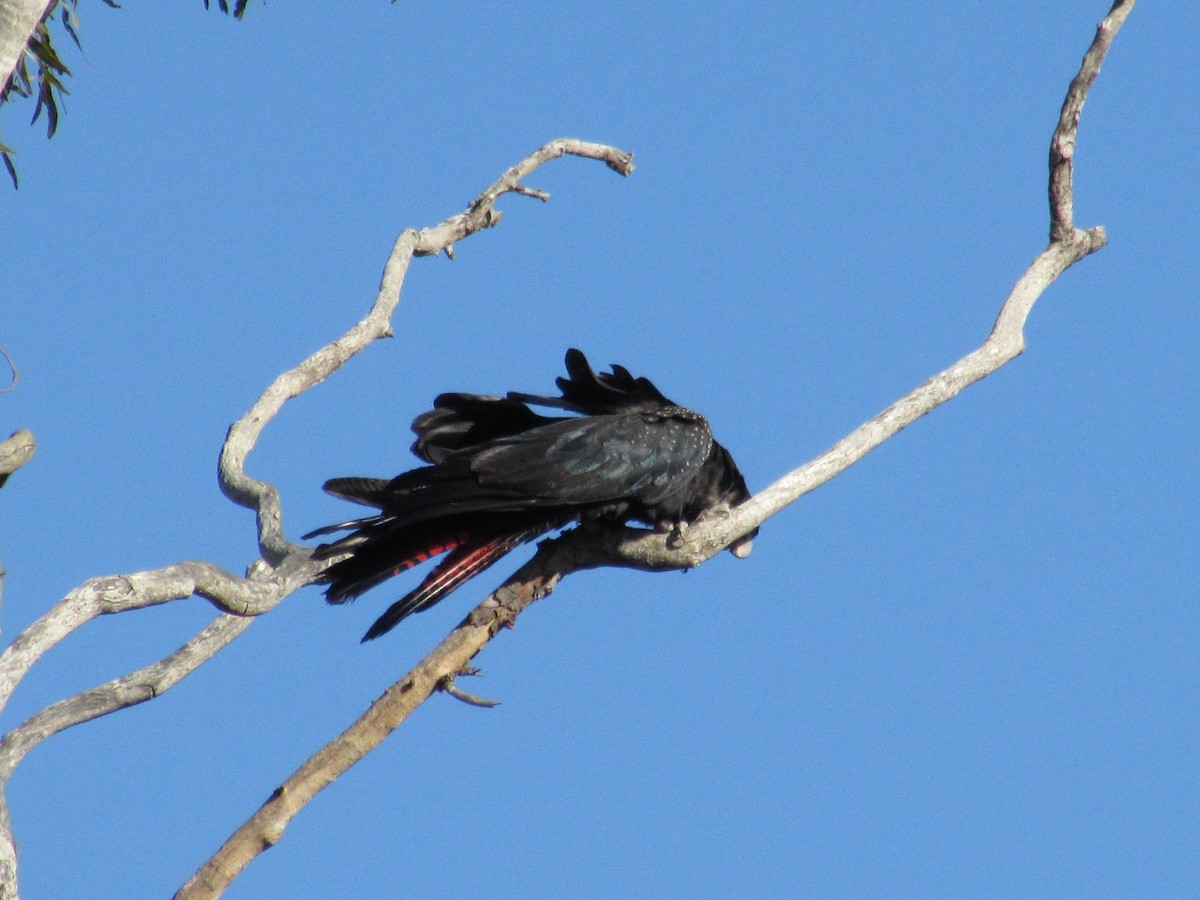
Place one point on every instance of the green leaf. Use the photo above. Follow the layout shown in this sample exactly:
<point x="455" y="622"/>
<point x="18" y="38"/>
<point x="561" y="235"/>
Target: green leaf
<point x="67" y="15"/>
<point x="8" y="164"/>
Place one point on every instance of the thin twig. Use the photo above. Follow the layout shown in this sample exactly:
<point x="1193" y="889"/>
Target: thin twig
<point x="450" y="686"/>
<point x="1062" y="145"/>
<point x="16" y="375"/>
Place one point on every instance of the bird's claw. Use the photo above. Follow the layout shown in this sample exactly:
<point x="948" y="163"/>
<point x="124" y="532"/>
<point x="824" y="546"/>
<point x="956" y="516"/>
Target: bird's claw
<point x="677" y="536"/>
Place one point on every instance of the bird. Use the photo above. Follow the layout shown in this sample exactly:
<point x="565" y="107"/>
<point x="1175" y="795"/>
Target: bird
<point x="497" y="474"/>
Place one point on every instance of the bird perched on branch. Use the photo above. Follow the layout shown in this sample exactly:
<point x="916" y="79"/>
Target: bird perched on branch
<point x="500" y="474"/>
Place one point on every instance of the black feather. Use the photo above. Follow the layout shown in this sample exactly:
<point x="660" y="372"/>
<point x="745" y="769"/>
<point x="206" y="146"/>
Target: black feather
<point x="500" y="474"/>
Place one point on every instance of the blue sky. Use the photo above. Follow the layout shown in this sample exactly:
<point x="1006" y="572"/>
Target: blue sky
<point x="966" y="667"/>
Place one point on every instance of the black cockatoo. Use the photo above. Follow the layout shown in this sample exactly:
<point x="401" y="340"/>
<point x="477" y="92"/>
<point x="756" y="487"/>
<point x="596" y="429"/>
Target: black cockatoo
<point x="500" y="474"/>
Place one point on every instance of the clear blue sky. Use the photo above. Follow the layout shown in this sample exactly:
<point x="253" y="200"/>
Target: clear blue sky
<point x="967" y="667"/>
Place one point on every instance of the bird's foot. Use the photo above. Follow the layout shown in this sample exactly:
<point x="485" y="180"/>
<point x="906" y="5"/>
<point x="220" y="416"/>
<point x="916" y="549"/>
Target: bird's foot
<point x="677" y="537"/>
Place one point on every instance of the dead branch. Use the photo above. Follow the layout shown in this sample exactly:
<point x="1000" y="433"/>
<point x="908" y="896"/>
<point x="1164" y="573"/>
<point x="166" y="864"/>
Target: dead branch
<point x="284" y="567"/>
<point x="15" y="452"/>
<point x="128" y="690"/>
<point x="641" y="549"/>
<point x="480" y="214"/>
<point x="647" y="550"/>
<point x="264" y="829"/>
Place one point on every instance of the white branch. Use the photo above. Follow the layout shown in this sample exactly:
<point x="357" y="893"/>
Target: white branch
<point x="587" y="547"/>
<point x="284" y="567"/>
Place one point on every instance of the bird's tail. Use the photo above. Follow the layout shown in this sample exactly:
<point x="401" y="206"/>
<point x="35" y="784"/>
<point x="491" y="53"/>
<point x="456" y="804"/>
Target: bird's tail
<point x="463" y="562"/>
<point x="377" y="553"/>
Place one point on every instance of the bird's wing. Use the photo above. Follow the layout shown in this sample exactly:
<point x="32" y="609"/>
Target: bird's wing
<point x="603" y="393"/>
<point x="459" y="422"/>
<point x="642" y="456"/>
<point x="366" y="491"/>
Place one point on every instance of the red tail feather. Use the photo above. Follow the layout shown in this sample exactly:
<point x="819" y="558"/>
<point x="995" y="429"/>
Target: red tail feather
<point x="464" y="562"/>
<point x="429" y="552"/>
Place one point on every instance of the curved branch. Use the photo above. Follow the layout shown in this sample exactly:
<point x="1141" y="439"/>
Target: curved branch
<point x="264" y="829"/>
<point x="267" y="584"/>
<point x="137" y="687"/>
<point x="15" y="451"/>
<point x="240" y="599"/>
<point x="12" y="367"/>
<point x="588" y="547"/>
<point x="1062" y="144"/>
<point x="284" y="567"/>
<point x="251" y="596"/>
<point x="480" y="214"/>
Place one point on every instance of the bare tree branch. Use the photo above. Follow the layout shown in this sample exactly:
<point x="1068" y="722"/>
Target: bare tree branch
<point x="284" y="567"/>
<point x="129" y="690"/>
<point x="239" y="598"/>
<point x="15" y="452"/>
<point x="251" y="596"/>
<point x="18" y="449"/>
<point x="637" y="548"/>
<point x="1062" y="144"/>
<point x="533" y="580"/>
<point x="480" y="214"/>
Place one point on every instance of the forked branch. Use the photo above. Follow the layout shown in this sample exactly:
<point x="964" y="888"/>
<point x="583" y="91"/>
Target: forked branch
<point x="634" y="548"/>
<point x="284" y="567"/>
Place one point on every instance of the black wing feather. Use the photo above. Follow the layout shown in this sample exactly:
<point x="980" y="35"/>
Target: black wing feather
<point x="587" y="392"/>
<point x="500" y="474"/>
<point x="598" y="458"/>
<point x="460" y="422"/>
